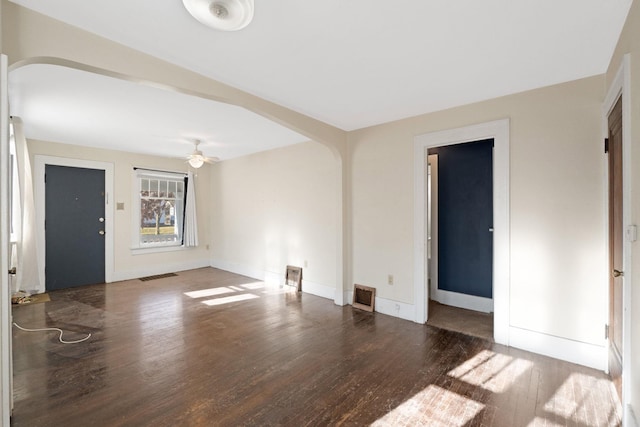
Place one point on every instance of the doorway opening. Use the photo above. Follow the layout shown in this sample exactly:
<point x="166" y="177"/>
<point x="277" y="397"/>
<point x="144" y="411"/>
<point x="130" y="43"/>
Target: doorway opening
<point x="498" y="131"/>
<point x="460" y="237"/>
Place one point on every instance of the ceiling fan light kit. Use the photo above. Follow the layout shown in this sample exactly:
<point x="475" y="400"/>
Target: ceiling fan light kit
<point x="196" y="161"/>
<point x="224" y="15"/>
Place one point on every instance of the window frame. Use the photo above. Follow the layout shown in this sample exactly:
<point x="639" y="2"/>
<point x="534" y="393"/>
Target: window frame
<point x="137" y="246"/>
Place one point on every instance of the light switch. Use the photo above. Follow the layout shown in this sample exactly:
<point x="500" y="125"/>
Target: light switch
<point x="632" y="233"/>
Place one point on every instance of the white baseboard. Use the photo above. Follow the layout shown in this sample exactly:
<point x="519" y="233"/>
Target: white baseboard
<point x="470" y="302"/>
<point x="389" y="307"/>
<point x="152" y="270"/>
<point x="272" y="278"/>
<point x="591" y="355"/>
<point x="396" y="309"/>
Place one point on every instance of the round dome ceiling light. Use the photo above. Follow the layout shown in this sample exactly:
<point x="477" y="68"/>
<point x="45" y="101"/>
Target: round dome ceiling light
<point x="225" y="15"/>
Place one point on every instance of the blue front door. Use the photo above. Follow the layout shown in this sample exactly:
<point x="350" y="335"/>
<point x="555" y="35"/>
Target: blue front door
<point x="74" y="226"/>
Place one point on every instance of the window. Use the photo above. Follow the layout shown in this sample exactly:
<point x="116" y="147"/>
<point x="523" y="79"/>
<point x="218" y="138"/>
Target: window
<point x="160" y="208"/>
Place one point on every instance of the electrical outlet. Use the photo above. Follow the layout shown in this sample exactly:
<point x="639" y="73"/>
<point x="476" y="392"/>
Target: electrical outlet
<point x="390" y="279"/>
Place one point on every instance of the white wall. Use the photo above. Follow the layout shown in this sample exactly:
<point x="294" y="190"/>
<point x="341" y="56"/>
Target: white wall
<point x="558" y="252"/>
<point x="127" y="265"/>
<point x="277" y="208"/>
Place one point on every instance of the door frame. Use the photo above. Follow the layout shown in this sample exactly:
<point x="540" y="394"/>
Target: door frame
<point x="499" y="131"/>
<point x="620" y="87"/>
<point x="39" y="170"/>
<point x="6" y="368"/>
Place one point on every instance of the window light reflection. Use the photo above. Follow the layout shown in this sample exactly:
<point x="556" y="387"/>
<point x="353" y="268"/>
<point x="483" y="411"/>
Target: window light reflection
<point x="433" y="406"/>
<point x="209" y="292"/>
<point x="494" y="372"/>
<point x="572" y="401"/>
<point x="230" y="299"/>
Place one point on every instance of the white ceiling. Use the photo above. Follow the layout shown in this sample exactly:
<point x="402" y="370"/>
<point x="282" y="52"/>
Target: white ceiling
<point x="356" y="63"/>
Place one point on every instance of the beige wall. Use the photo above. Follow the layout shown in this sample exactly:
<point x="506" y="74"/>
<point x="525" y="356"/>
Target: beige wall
<point x="125" y="263"/>
<point x="629" y="43"/>
<point x="277" y="208"/>
<point x="557" y="211"/>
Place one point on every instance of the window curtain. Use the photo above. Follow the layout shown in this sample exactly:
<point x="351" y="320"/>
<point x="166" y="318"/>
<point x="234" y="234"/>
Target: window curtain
<point x="190" y="236"/>
<point x="28" y="275"/>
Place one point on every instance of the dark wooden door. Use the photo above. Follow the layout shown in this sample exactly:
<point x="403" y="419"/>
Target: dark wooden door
<point x="74" y="226"/>
<point x="616" y="235"/>
<point x="465" y="218"/>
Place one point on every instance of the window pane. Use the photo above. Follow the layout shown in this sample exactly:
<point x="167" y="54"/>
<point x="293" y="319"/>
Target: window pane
<point x="144" y="187"/>
<point x="161" y="211"/>
<point x="153" y="188"/>
<point x="163" y="188"/>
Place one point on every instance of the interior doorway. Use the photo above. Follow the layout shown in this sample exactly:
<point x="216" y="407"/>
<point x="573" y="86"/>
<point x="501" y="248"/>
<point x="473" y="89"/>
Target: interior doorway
<point x="498" y="131"/>
<point x="460" y="237"/>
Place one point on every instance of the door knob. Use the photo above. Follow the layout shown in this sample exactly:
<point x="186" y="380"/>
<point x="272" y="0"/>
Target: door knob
<point x="617" y="273"/>
<point x="101" y="232"/>
<point x="101" y="219"/>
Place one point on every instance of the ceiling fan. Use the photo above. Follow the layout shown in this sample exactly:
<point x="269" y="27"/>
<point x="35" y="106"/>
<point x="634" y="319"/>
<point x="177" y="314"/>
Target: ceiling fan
<point x="197" y="159"/>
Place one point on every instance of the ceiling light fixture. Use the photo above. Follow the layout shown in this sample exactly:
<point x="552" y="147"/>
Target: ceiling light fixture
<point x="225" y="15"/>
<point x="196" y="161"/>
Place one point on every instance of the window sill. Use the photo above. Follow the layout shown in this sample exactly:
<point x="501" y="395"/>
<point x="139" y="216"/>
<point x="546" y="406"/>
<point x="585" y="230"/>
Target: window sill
<point x="157" y="249"/>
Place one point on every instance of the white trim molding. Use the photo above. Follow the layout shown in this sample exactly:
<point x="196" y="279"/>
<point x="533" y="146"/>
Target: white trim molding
<point x="469" y="302"/>
<point x="39" y="170"/>
<point x="560" y="348"/>
<point x="499" y="131"/>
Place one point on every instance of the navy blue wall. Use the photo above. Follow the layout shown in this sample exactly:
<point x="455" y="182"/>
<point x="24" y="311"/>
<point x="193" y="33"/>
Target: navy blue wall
<point x="465" y="215"/>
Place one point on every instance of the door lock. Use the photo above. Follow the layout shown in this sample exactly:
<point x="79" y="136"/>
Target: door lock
<point x="101" y="232"/>
<point x="101" y="219"/>
<point x="617" y="273"/>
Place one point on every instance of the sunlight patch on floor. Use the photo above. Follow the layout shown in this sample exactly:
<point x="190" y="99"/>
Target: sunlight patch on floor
<point x="433" y="406"/>
<point x="494" y="372"/>
<point x="209" y="292"/>
<point x="230" y="299"/>
<point x="573" y="401"/>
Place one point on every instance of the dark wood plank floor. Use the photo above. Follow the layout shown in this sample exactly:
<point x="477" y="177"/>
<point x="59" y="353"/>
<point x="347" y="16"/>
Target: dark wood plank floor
<point x="239" y="354"/>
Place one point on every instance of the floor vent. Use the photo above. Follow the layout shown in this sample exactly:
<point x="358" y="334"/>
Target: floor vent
<point x="157" y="276"/>
<point x="364" y="298"/>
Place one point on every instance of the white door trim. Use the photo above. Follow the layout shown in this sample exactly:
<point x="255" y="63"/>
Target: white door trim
<point x="621" y="86"/>
<point x="499" y="131"/>
<point x="40" y="162"/>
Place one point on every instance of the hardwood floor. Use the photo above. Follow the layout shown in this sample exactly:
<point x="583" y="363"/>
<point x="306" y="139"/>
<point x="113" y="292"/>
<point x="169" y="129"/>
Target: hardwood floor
<point x="209" y="348"/>
<point x="468" y="322"/>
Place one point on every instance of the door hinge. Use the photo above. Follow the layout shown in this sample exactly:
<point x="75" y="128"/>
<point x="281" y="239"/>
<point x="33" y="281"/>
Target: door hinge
<point x="606" y="332"/>
<point x="606" y="145"/>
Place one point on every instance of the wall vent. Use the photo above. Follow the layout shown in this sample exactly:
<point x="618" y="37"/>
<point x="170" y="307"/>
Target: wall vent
<point x="157" y="276"/>
<point x="293" y="277"/>
<point x="364" y="298"/>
